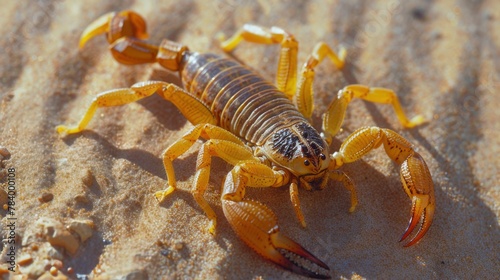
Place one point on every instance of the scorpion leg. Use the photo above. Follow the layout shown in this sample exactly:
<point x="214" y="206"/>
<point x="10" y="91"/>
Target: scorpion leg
<point x="233" y="153"/>
<point x="340" y="176"/>
<point x="294" y="198"/>
<point x="335" y="175"/>
<point x="334" y="116"/>
<point x="286" y="77"/>
<point x="257" y="225"/>
<point x="115" y="97"/>
<point x="415" y="175"/>
<point x="303" y="99"/>
<point x="206" y="131"/>
<point x="189" y="106"/>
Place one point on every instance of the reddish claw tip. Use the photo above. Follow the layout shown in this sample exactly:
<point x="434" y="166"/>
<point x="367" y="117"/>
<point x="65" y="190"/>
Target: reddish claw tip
<point x="294" y="257"/>
<point x="418" y="211"/>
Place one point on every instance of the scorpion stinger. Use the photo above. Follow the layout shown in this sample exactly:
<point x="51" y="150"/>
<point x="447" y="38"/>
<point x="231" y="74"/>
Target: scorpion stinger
<point x="262" y="130"/>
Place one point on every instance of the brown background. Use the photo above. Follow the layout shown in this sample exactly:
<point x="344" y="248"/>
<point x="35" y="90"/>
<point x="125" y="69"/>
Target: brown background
<point x="441" y="57"/>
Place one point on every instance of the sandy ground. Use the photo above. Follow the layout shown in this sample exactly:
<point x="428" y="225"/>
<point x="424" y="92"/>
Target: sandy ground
<point x="441" y="57"/>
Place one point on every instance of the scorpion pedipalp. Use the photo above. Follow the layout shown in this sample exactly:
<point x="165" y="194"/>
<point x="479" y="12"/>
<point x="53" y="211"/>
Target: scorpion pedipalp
<point x="415" y="175"/>
<point x="417" y="182"/>
<point x="257" y="226"/>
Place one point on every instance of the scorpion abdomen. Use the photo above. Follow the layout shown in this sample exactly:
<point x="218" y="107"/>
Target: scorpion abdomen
<point x="242" y="101"/>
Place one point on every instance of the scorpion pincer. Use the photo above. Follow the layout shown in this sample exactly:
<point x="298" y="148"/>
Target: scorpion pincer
<point x="262" y="130"/>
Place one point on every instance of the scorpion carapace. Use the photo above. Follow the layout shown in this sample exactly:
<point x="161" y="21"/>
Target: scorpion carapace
<point x="262" y="130"/>
<point x="298" y="148"/>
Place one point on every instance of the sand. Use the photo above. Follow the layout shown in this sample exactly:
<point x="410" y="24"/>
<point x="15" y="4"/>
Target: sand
<point x="440" y="57"/>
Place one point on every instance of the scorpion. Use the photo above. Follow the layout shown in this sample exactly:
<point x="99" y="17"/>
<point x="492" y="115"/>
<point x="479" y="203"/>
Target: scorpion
<point x="262" y="130"/>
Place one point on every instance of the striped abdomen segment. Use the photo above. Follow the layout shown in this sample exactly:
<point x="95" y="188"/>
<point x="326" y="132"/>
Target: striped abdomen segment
<point x="241" y="100"/>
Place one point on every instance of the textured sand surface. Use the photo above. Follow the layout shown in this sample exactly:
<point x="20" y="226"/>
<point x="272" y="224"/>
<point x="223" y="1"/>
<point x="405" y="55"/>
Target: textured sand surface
<point x="441" y="57"/>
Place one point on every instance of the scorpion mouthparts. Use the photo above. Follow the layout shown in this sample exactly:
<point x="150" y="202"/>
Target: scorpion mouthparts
<point x="294" y="257"/>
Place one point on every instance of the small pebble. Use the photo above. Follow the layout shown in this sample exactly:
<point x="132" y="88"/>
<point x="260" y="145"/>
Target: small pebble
<point x="46" y="197"/>
<point x="57" y="235"/>
<point x="4" y="153"/>
<point x="84" y="228"/>
<point x="25" y="260"/>
<point x="70" y="270"/>
<point x="81" y="198"/>
<point x="178" y="246"/>
<point x="53" y="271"/>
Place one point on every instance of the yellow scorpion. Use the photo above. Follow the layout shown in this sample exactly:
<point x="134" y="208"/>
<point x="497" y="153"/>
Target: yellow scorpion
<point x="261" y="129"/>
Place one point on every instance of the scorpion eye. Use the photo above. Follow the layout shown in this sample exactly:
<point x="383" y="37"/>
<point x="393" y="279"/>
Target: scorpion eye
<point x="322" y="156"/>
<point x="306" y="162"/>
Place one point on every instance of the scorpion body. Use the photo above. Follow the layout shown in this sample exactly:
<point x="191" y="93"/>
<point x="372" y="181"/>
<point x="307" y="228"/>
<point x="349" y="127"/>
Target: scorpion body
<point x="242" y="101"/>
<point x="262" y="130"/>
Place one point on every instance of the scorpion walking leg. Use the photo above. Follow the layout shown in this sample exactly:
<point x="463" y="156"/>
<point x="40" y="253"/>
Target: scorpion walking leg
<point x="286" y="78"/>
<point x="340" y="176"/>
<point x="334" y="116"/>
<point x="294" y="198"/>
<point x="189" y="106"/>
<point x="115" y="97"/>
<point x="303" y="99"/>
<point x="206" y="131"/>
<point x="231" y="152"/>
<point x="415" y="175"/>
<point x="257" y="225"/>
